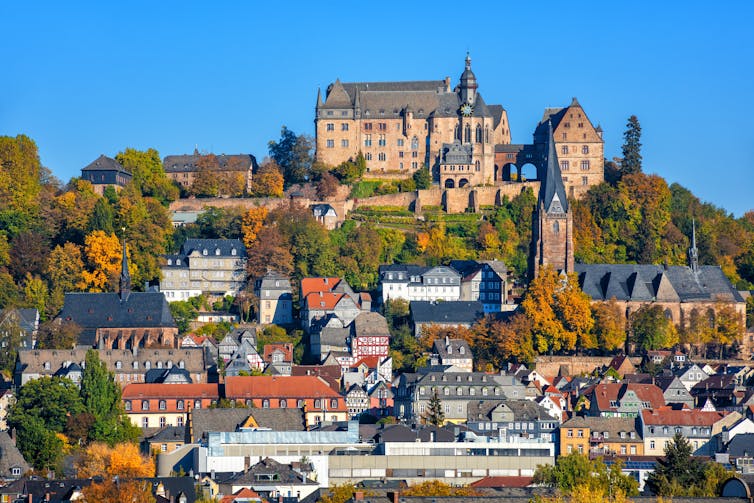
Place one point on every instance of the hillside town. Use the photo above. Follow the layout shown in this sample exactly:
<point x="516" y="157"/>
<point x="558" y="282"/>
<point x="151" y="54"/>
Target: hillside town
<point x="405" y="307"/>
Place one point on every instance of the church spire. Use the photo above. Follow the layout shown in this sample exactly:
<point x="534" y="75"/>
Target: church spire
<point x="554" y="194"/>
<point x="468" y="85"/>
<point x="693" y="252"/>
<point x="125" y="276"/>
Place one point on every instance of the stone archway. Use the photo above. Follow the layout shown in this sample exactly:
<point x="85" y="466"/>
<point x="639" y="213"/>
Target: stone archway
<point x="450" y="183"/>
<point x="508" y="170"/>
<point x="463" y="182"/>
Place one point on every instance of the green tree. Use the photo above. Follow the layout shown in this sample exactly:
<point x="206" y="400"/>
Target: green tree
<point x="423" y="178"/>
<point x="435" y="414"/>
<point x="576" y="470"/>
<point x="652" y="329"/>
<point x="631" y="162"/>
<point x="40" y="446"/>
<point x="148" y="174"/>
<point x="679" y="473"/>
<point x="11" y="336"/>
<point x="20" y="185"/>
<point x="183" y="313"/>
<point x="101" y="397"/>
<point x="293" y="153"/>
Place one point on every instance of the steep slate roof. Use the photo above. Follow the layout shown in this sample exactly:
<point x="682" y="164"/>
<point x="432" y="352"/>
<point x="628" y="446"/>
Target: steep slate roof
<point x="446" y="312"/>
<point x="10" y="457"/>
<point x="741" y="445"/>
<point x="226" y="247"/>
<point x="554" y="195"/>
<point x="646" y="282"/>
<point x="105" y="163"/>
<point x="451" y="348"/>
<point x="169" y="434"/>
<point x="106" y="310"/>
<point x="370" y="324"/>
<point x="188" y="162"/>
<point x="205" y="420"/>
<point x="289" y="419"/>
<point x="285" y="475"/>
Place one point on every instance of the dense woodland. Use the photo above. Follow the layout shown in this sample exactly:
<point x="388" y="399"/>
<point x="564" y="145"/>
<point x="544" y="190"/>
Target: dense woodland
<point x="57" y="237"/>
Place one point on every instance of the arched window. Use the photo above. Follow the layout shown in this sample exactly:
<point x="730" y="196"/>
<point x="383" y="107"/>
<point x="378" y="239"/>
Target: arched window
<point x="197" y="404"/>
<point x="181" y="364"/>
<point x="283" y="403"/>
<point x="233" y="252"/>
<point x="177" y="261"/>
<point x="556" y="227"/>
<point x="127" y="405"/>
<point x="170" y="261"/>
<point x="457" y="132"/>
<point x="486" y="134"/>
<point x="170" y="364"/>
<point x="300" y="404"/>
<point x="446" y="391"/>
<point x="180" y="404"/>
<point x="159" y="364"/>
<point x="163" y="405"/>
<point x="217" y="251"/>
<point x="334" y="403"/>
<point x="462" y="350"/>
<point x="477" y="165"/>
<point x="145" y="405"/>
<point x="459" y="391"/>
<point x="467" y="134"/>
<point x="472" y="391"/>
<point x="118" y="364"/>
<point x="265" y="404"/>
<point x="204" y="251"/>
<point x="414" y="143"/>
<point x="147" y="365"/>
<point x="136" y="365"/>
<point x="478" y="134"/>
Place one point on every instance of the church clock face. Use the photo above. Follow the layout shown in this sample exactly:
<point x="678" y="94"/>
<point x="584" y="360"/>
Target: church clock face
<point x="466" y="109"/>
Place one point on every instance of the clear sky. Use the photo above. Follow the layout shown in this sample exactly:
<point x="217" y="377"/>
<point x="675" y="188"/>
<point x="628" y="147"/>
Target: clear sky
<point x="91" y="78"/>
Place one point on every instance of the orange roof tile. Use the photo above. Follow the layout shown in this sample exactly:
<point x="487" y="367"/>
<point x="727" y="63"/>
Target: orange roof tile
<point x="160" y="390"/>
<point x="685" y="417"/>
<point x="371" y="362"/>
<point x="309" y="285"/>
<point x="607" y="392"/>
<point x="278" y="387"/>
<point x="323" y="300"/>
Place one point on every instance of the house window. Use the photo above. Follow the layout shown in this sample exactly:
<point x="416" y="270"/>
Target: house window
<point x="368" y="156"/>
<point x="585" y="149"/>
<point x="651" y="444"/>
<point x="179" y="421"/>
<point x="368" y="140"/>
<point x="564" y="165"/>
<point x="300" y="404"/>
<point x="180" y="405"/>
<point x="585" y="164"/>
<point x="265" y="404"/>
<point x="334" y="403"/>
<point x="569" y="433"/>
<point x="344" y="126"/>
<point x="564" y="149"/>
<point x="317" y="404"/>
<point x="343" y="143"/>
<point x="144" y="405"/>
<point x="145" y="422"/>
<point x="163" y="421"/>
<point x="197" y="404"/>
<point x="400" y="142"/>
<point x="163" y="405"/>
<point x="127" y="405"/>
<point x="580" y="433"/>
<point x="381" y="156"/>
<point x="283" y="403"/>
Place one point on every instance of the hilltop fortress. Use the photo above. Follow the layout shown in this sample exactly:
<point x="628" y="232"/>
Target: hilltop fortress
<point x="400" y="127"/>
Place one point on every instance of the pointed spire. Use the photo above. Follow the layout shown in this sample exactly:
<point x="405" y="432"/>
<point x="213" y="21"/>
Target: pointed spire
<point x="125" y="276"/>
<point x="693" y="252"/>
<point x="554" y="193"/>
<point x="319" y="97"/>
<point x="468" y="60"/>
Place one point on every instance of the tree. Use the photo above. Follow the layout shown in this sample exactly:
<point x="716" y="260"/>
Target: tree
<point x="679" y="473"/>
<point x="423" y="178"/>
<point x="103" y="257"/>
<point x="652" y="329"/>
<point x="20" y="185"/>
<point x="609" y="325"/>
<point x="114" y="490"/>
<point x="631" y="162"/>
<point x="11" y="336"/>
<point x="206" y="181"/>
<point x="184" y="313"/>
<point x="434" y="415"/>
<point x="293" y="154"/>
<point x="122" y="460"/>
<point x="327" y="186"/>
<point x="268" y="181"/>
<point x="252" y="223"/>
<point x="270" y="250"/>
<point x="58" y="334"/>
<point x="513" y="340"/>
<point x="338" y="494"/>
<point x="101" y="396"/>
<point x="40" y="446"/>
<point x="575" y="472"/>
<point x="148" y="174"/>
<point x="438" y="488"/>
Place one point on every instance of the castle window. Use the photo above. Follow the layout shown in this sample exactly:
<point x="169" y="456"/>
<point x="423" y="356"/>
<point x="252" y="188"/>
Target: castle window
<point x="381" y="156"/>
<point x="486" y="134"/>
<point x="477" y="165"/>
<point x="556" y="227"/>
<point x="344" y="113"/>
<point x="382" y="126"/>
<point x="400" y="142"/>
<point x="565" y="136"/>
<point x="478" y="134"/>
<point x="584" y="180"/>
<point x="330" y="126"/>
<point x="414" y="143"/>
<point x="343" y="143"/>
<point x="467" y="134"/>
<point x="400" y="164"/>
<point x="564" y="149"/>
<point x="585" y="149"/>
<point x="400" y="154"/>
<point x="368" y="140"/>
<point x="564" y="165"/>
<point x="368" y="156"/>
<point x="567" y="125"/>
<point x="344" y="126"/>
<point x="367" y="126"/>
<point x="330" y="143"/>
<point x="381" y="140"/>
<point x="581" y="124"/>
<point x="414" y="154"/>
<point x="585" y="164"/>
<point x="414" y="165"/>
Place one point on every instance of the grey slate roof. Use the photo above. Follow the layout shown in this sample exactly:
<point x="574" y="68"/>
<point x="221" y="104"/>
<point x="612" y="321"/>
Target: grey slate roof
<point x="441" y="348"/>
<point x="169" y="434"/>
<point x="206" y="420"/>
<point x="553" y="191"/>
<point x="646" y="282"/>
<point x="106" y="310"/>
<point x="10" y="457"/>
<point x="741" y="445"/>
<point x="285" y="475"/>
<point x="104" y="163"/>
<point x="189" y="162"/>
<point x="226" y="247"/>
<point x="446" y="312"/>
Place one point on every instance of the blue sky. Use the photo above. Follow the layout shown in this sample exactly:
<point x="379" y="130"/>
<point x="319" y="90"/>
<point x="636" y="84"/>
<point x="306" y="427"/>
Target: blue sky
<point x="85" y="78"/>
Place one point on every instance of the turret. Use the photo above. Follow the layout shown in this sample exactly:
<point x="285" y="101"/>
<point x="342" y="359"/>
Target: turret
<point x="468" y="85"/>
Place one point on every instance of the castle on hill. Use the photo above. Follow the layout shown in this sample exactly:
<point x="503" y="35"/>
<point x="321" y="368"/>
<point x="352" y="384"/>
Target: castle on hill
<point x="401" y="127"/>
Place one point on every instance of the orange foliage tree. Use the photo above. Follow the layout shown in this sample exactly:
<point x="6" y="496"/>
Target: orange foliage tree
<point x="123" y="460"/>
<point x="117" y="491"/>
<point x="438" y="488"/>
<point x="251" y="223"/>
<point x="103" y="256"/>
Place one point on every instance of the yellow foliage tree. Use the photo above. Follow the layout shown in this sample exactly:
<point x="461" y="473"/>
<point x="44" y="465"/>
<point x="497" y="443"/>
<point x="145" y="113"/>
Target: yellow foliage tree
<point x="117" y="491"/>
<point x="103" y="256"/>
<point x="538" y="305"/>
<point x="574" y="310"/>
<point x="252" y="223"/>
<point x="438" y="488"/>
<point x="609" y="325"/>
<point x="123" y="460"/>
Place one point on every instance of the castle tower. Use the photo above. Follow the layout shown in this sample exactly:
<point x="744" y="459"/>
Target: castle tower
<point x="552" y="232"/>
<point x="468" y="83"/>
<point x="125" y="276"/>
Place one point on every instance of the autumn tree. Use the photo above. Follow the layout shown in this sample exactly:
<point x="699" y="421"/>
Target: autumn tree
<point x="251" y="224"/>
<point x="270" y="250"/>
<point x="148" y="174"/>
<point x="293" y="153"/>
<point x="58" y="334"/>
<point x="103" y="259"/>
<point x="116" y="490"/>
<point x="652" y="329"/>
<point x="609" y="325"/>
<point x="513" y="340"/>
<point x="576" y="472"/>
<point x="231" y="183"/>
<point x="631" y="162"/>
<point x="438" y="488"/>
<point x="729" y="327"/>
<point x="123" y="460"/>
<point x="20" y="186"/>
<point x="220" y="223"/>
<point x="698" y="330"/>
<point x="327" y="186"/>
<point x="268" y="180"/>
<point x="65" y="272"/>
<point x="338" y="494"/>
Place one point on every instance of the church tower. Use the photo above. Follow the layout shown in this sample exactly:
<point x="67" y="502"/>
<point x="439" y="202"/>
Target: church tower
<point x="125" y="276"/>
<point x="552" y="232"/>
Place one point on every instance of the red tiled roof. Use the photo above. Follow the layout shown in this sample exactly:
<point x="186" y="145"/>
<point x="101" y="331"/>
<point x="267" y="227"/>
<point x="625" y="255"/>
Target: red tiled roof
<point x="371" y="362"/>
<point x="309" y="285"/>
<point x="159" y="390"/>
<point x="604" y="393"/>
<point x="278" y="387"/>
<point x="285" y="347"/>
<point x="323" y="300"/>
<point x="244" y="493"/>
<point x="666" y="416"/>
<point x="510" y="481"/>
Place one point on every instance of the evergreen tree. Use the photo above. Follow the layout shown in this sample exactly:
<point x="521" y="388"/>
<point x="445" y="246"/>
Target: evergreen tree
<point x="423" y="178"/>
<point x="434" y="414"/>
<point x="631" y="147"/>
<point x="679" y="472"/>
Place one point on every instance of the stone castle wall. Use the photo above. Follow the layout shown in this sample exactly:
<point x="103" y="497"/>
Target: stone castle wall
<point x="551" y="366"/>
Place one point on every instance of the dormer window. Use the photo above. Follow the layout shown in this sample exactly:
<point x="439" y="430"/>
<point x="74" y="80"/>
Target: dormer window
<point x="233" y="252"/>
<point x="136" y="365"/>
<point x="177" y="261"/>
<point x="47" y="365"/>
<point x="170" y="261"/>
<point x="204" y="251"/>
<point x="217" y="251"/>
